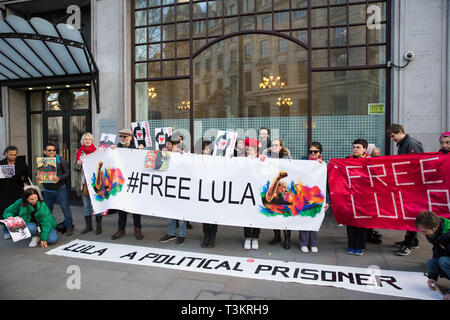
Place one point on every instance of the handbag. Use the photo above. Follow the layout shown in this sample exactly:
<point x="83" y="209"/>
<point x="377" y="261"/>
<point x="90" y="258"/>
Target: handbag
<point x="31" y="185"/>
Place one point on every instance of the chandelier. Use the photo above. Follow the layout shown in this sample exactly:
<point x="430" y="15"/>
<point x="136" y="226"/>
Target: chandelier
<point x="151" y="93"/>
<point x="185" y="105"/>
<point x="275" y="83"/>
<point x="284" y="102"/>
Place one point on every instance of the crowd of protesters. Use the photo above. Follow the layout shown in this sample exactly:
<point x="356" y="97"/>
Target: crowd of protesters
<point x="26" y="202"/>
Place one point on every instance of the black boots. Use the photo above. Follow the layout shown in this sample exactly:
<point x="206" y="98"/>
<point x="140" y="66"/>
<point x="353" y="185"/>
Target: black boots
<point x="287" y="239"/>
<point x="88" y="227"/>
<point x="98" y="228"/>
<point x="276" y="237"/>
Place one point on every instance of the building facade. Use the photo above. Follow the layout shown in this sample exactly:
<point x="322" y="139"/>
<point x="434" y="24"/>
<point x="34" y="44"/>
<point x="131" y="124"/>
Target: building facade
<point x="309" y="70"/>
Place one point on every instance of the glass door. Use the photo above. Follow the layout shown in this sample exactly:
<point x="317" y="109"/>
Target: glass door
<point x="66" y="118"/>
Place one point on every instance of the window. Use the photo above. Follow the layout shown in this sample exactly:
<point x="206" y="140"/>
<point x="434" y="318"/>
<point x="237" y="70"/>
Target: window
<point x="227" y="75"/>
<point x="220" y="62"/>
<point x="282" y="45"/>
<point x="248" y="81"/>
<point x="264" y="48"/>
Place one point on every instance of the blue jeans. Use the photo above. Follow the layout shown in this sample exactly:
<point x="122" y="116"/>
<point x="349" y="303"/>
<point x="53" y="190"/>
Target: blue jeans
<point x="87" y="206"/>
<point x="439" y="267"/>
<point x="181" y="228"/>
<point x="59" y="196"/>
<point x="52" y="236"/>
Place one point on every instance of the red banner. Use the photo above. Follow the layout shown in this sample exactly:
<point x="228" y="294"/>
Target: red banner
<point x="388" y="192"/>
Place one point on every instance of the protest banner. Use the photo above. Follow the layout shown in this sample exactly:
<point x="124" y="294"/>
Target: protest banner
<point x="369" y="280"/>
<point x="161" y="135"/>
<point x="389" y="192"/>
<point x="225" y="143"/>
<point x="274" y="194"/>
<point x="141" y="134"/>
<point x="106" y="141"/>
<point x="17" y="228"/>
<point x="7" y="171"/>
<point x="46" y="169"/>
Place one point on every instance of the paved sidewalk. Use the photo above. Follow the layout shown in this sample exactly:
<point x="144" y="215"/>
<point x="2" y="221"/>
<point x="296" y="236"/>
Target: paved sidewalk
<point x="29" y="273"/>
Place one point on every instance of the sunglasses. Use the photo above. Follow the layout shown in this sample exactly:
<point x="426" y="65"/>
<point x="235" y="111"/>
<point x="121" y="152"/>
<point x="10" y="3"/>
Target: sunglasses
<point x="50" y="150"/>
<point x="123" y="137"/>
<point x="313" y="151"/>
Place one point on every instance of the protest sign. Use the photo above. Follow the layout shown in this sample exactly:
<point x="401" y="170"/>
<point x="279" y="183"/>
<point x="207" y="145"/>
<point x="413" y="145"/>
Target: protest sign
<point x="388" y="192"/>
<point x="274" y="194"/>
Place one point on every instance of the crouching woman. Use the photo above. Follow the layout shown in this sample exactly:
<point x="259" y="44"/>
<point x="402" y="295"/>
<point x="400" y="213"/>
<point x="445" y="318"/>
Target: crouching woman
<point x="34" y="213"/>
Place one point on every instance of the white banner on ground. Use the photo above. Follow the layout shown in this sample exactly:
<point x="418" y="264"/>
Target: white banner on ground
<point x="371" y="280"/>
<point x="273" y="194"/>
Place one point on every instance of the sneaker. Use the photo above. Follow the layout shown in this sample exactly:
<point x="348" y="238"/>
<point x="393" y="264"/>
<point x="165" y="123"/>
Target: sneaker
<point x="69" y="232"/>
<point x="359" y="252"/>
<point x="399" y="244"/>
<point x="167" y="238"/>
<point x="404" y="251"/>
<point x="415" y="244"/>
<point x="180" y="240"/>
<point x="138" y="233"/>
<point x="118" y="234"/>
<point x="6" y="236"/>
<point x="34" y="242"/>
<point x="255" y="244"/>
<point x="350" y="251"/>
<point x="314" y="249"/>
<point x="247" y="244"/>
<point x="304" y="249"/>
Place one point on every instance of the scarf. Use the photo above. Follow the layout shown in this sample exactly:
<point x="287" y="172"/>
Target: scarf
<point x="83" y="150"/>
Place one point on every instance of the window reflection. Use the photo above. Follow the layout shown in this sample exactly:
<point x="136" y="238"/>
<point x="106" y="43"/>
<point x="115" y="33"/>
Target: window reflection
<point x="243" y="85"/>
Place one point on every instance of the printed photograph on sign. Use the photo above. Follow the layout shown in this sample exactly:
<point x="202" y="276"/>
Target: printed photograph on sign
<point x="106" y="182"/>
<point x="290" y="200"/>
<point x="7" y="171"/>
<point x="17" y="228"/>
<point x="141" y="133"/>
<point x="106" y="141"/>
<point x="157" y="160"/>
<point x="224" y="143"/>
<point x="161" y="135"/>
<point x="46" y="169"/>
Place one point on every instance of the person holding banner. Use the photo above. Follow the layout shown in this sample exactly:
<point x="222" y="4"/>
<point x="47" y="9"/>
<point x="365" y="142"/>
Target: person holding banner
<point x="372" y="235"/>
<point x="406" y="145"/>
<point x="209" y="229"/>
<point x="127" y="141"/>
<point x="278" y="151"/>
<point x="172" y="146"/>
<point x="444" y="141"/>
<point x="57" y="191"/>
<point x="35" y="214"/>
<point x="309" y="238"/>
<point x="437" y="231"/>
<point x="251" y="235"/>
<point x="87" y="147"/>
<point x="12" y="188"/>
<point x="357" y="236"/>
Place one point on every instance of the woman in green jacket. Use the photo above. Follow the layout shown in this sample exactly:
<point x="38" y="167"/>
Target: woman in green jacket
<point x="36" y="214"/>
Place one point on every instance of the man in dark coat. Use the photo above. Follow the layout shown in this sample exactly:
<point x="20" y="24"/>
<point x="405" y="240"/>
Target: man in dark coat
<point x="11" y="189"/>
<point x="406" y="144"/>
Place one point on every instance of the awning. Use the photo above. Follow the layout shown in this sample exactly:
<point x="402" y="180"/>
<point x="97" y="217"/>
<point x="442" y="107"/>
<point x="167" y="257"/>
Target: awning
<point x="37" y="52"/>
